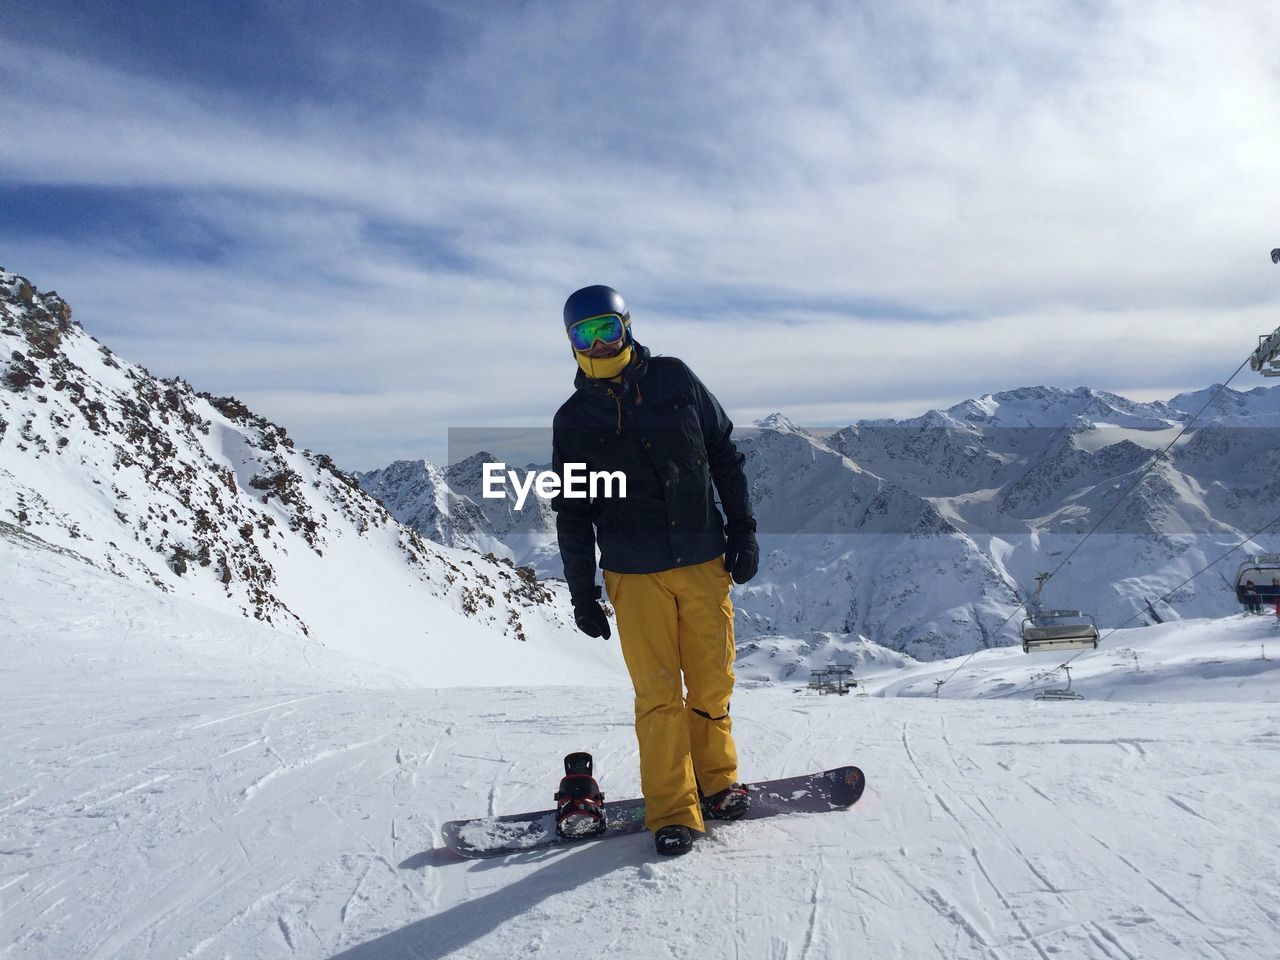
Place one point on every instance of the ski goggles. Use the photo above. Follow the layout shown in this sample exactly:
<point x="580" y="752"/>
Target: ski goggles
<point x="607" y="327"/>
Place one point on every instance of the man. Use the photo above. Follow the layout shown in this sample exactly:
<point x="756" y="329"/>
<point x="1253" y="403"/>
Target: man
<point x="667" y="554"/>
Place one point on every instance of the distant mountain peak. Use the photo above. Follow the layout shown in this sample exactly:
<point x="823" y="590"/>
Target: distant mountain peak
<point x="779" y="422"/>
<point x="470" y="468"/>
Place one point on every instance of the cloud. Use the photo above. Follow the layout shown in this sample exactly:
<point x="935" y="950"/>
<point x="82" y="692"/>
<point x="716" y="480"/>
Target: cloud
<point x="947" y="200"/>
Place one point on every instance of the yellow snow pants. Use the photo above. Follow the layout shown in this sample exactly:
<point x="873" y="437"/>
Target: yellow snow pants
<point x="676" y="623"/>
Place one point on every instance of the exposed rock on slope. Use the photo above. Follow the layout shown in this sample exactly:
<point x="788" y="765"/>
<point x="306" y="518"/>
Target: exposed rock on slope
<point x="155" y="482"/>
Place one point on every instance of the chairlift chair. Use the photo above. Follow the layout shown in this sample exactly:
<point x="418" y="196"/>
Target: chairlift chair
<point x="1060" y="693"/>
<point x="1059" y="630"/>
<point x="1262" y="570"/>
<point x="1056" y="629"/>
<point x="1063" y="694"/>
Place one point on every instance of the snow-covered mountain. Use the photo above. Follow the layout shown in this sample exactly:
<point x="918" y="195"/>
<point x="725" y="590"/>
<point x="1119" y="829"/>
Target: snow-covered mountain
<point x="1029" y="472"/>
<point x="197" y="496"/>
<point x="448" y="506"/>
<point x="923" y="535"/>
<point x="926" y="534"/>
<point x="847" y="551"/>
<point x="417" y="493"/>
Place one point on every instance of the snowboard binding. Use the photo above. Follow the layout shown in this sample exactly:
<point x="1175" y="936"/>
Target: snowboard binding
<point x="579" y="802"/>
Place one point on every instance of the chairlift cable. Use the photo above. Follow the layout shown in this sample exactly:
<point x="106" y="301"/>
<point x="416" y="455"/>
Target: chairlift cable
<point x="975" y="653"/>
<point x="1156" y="459"/>
<point x="1150" y="465"/>
<point x="1210" y="565"/>
<point x="1275" y="258"/>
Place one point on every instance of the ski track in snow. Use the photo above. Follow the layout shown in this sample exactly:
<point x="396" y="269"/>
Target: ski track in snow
<point x="156" y="806"/>
<point x="206" y="844"/>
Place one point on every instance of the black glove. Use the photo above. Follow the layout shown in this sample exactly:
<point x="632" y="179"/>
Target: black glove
<point x="741" y="552"/>
<point x="590" y="616"/>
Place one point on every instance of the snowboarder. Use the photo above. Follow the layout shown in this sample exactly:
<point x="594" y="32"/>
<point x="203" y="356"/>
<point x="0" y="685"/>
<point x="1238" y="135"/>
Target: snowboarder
<point x="667" y="554"/>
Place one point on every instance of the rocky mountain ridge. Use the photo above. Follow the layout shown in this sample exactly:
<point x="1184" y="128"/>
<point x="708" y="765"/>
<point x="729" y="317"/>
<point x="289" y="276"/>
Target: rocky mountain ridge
<point x="194" y="494"/>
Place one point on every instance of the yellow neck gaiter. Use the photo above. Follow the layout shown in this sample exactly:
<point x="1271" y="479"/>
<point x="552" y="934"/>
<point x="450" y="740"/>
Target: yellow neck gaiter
<point x="604" y="368"/>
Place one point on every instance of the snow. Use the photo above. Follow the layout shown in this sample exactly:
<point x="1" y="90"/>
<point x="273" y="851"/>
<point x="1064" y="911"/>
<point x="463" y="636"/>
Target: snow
<point x="180" y="783"/>
<point x="1102" y="434"/>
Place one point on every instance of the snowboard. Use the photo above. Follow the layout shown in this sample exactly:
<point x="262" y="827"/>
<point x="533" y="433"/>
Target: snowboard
<point x="834" y="789"/>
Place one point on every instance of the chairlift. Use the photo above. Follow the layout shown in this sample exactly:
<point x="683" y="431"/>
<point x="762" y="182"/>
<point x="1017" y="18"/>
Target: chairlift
<point x="1266" y="359"/>
<point x="842" y="673"/>
<point x="1056" y="629"/>
<point x="836" y="678"/>
<point x="1264" y="573"/>
<point x="1061" y="693"/>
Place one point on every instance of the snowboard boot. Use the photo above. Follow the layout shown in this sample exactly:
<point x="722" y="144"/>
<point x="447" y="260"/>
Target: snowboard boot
<point x="579" y="802"/>
<point x="731" y="803"/>
<point x="673" y="840"/>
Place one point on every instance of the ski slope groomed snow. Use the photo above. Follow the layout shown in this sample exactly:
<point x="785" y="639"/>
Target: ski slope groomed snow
<point x="176" y="784"/>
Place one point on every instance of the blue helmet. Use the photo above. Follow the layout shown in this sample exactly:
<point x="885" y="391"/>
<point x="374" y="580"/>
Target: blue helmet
<point x="593" y="302"/>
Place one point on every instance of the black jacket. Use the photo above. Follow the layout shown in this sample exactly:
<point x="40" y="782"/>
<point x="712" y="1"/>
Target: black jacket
<point x="671" y="439"/>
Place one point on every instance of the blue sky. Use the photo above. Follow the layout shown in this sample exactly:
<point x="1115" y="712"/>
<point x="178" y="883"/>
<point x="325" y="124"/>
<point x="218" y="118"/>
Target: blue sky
<point x="363" y="219"/>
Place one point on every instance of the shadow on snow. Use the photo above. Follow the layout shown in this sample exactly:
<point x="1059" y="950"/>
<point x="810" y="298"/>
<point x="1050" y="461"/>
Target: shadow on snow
<point x="442" y="934"/>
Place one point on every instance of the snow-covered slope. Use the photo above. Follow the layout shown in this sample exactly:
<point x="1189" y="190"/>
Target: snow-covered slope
<point x="198" y="497"/>
<point x="180" y="783"/>
<point x="1230" y="659"/>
